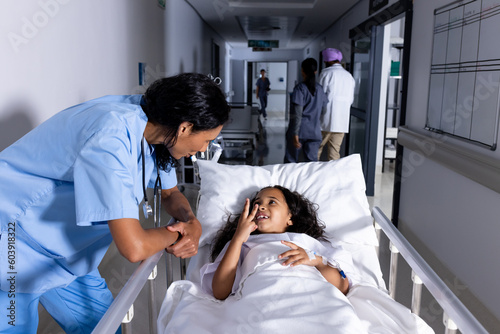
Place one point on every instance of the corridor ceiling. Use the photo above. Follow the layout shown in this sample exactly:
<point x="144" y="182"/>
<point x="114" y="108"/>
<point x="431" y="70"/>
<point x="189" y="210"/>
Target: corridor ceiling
<point x="295" y="23"/>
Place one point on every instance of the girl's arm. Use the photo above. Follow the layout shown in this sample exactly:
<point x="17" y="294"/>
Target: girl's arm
<point x="333" y="276"/>
<point x="222" y="283"/>
<point x="297" y="256"/>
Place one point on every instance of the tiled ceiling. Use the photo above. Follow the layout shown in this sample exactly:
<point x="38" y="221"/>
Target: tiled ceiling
<point x="295" y="23"/>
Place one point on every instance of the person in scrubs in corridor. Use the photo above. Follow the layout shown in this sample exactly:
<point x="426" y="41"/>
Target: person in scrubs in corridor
<point x="73" y="185"/>
<point x="307" y="102"/>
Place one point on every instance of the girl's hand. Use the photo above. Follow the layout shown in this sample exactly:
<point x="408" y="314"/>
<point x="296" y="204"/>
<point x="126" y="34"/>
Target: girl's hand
<point x="246" y="224"/>
<point x="297" y="256"/>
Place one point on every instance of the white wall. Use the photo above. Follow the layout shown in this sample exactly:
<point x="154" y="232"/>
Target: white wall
<point x="188" y="44"/>
<point x="57" y="53"/>
<point x="454" y="217"/>
<point x="238" y="81"/>
<point x="267" y="56"/>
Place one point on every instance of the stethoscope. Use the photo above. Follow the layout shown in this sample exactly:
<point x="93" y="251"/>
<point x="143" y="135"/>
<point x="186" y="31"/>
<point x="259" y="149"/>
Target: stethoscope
<point x="214" y="146"/>
<point x="217" y="80"/>
<point x="146" y="207"/>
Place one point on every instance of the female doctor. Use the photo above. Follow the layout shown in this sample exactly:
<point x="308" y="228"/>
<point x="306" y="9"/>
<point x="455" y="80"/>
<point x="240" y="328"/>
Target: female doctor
<point x="73" y="184"/>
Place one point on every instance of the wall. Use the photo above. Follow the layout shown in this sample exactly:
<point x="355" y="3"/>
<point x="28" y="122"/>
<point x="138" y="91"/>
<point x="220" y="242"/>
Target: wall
<point x="455" y="218"/>
<point x="188" y="44"/>
<point x="57" y="53"/>
<point x="275" y="55"/>
<point x="238" y="84"/>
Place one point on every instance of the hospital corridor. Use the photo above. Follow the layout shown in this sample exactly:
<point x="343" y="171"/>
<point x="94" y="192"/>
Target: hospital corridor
<point x="249" y="166"/>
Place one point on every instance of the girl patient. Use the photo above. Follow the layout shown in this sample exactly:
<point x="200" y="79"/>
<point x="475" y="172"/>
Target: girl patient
<point x="283" y="215"/>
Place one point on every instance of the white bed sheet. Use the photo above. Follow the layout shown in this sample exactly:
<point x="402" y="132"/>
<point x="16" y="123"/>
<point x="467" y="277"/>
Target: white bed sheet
<point x="364" y="257"/>
<point x="267" y="304"/>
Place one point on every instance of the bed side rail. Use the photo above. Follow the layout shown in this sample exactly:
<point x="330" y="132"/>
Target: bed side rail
<point x="453" y="308"/>
<point x="119" y="309"/>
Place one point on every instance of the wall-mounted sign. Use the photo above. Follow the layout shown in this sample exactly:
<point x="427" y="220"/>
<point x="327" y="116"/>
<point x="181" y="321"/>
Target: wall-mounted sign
<point x="375" y="5"/>
<point x="254" y="43"/>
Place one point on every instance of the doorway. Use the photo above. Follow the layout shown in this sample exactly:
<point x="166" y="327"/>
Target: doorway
<point x="371" y="63"/>
<point x="390" y="115"/>
<point x="277" y="73"/>
<point x="367" y="60"/>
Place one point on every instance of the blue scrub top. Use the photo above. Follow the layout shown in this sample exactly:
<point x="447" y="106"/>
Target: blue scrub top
<point x="62" y="182"/>
<point x="312" y="105"/>
<point x="263" y="85"/>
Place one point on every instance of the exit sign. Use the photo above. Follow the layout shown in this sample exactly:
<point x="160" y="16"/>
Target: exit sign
<point x="254" y="43"/>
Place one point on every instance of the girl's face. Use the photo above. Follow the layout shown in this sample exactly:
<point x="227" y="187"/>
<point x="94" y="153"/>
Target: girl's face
<point x="273" y="215"/>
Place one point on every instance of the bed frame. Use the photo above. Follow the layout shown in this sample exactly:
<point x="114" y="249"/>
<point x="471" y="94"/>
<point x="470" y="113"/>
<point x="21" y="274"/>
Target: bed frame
<point x="456" y="316"/>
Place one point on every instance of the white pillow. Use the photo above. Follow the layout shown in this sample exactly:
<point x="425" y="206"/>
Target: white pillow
<point x="338" y="187"/>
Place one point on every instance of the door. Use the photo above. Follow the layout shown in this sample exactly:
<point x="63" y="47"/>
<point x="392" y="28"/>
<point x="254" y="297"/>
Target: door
<point x="367" y="46"/>
<point x="366" y="58"/>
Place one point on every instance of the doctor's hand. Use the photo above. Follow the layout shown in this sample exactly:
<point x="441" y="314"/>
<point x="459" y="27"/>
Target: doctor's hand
<point x="297" y="256"/>
<point x="189" y="238"/>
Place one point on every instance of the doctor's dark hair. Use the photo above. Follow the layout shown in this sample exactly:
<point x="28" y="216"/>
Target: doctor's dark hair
<point x="304" y="218"/>
<point x="187" y="97"/>
<point x="310" y="66"/>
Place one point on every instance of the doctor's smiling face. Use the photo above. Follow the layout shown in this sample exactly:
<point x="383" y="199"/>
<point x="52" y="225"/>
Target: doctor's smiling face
<point x="184" y="113"/>
<point x="273" y="215"/>
<point x="189" y="142"/>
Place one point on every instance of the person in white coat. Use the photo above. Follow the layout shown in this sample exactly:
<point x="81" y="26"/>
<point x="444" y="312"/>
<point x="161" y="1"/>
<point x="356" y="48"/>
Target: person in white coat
<point x="339" y="88"/>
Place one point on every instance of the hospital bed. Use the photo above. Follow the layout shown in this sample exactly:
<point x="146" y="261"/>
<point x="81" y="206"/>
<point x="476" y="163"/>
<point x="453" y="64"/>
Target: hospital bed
<point x="338" y="188"/>
<point x="240" y="134"/>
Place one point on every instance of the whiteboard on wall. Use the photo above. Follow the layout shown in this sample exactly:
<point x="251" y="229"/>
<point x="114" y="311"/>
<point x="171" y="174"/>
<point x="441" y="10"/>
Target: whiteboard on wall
<point x="464" y="89"/>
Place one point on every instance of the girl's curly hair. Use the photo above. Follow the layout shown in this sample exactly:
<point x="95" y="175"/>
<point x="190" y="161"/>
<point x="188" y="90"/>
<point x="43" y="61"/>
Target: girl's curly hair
<point x="304" y="218"/>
